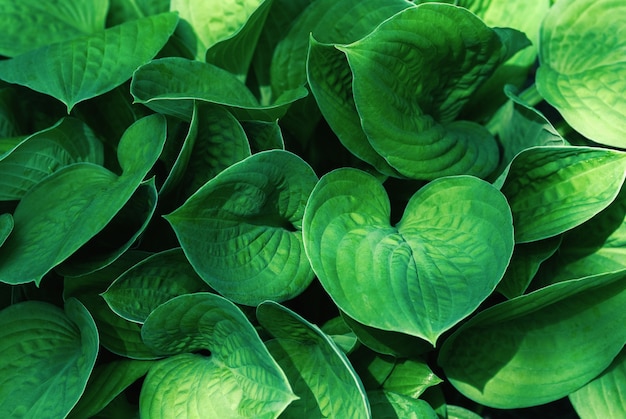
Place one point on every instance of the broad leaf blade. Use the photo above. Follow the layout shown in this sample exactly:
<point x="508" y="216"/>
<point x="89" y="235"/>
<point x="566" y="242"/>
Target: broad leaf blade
<point x="550" y="343"/>
<point x="46" y="358"/>
<point x="89" y="66"/>
<point x="435" y="267"/>
<point x="150" y="283"/>
<point x="605" y="396"/>
<point x="306" y="354"/>
<point x="553" y="189"/>
<point x="242" y="230"/>
<point x="86" y="198"/>
<point x="30" y="24"/>
<point x="240" y="378"/>
<point x="6" y="226"/>
<point x="389" y="405"/>
<point x="41" y="154"/>
<point x="582" y="67"/>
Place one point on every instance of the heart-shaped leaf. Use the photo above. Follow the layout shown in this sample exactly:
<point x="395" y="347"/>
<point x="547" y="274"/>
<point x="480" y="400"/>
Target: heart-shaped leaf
<point x="89" y="66"/>
<point x="322" y="376"/>
<point x="583" y="67"/>
<point x="39" y="155"/>
<point x="239" y="378"/>
<point x="605" y="396"/>
<point x="389" y="405"/>
<point x="553" y="189"/>
<point x="549" y="343"/>
<point x="6" y="226"/>
<point x="46" y="356"/>
<point x="65" y="210"/>
<point x="150" y="283"/>
<point x="443" y="258"/>
<point x="30" y="24"/>
<point x="242" y="230"/>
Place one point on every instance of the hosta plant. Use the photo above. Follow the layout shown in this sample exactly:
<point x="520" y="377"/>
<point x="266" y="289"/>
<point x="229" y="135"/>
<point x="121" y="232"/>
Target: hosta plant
<point x="312" y="208"/>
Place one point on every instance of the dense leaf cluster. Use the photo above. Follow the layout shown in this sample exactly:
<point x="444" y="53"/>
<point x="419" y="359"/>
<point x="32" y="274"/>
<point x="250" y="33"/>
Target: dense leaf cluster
<point x="311" y="208"/>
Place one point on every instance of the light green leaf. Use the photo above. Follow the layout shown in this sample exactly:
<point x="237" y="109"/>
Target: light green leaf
<point x="605" y="396"/>
<point x="550" y="343"/>
<point x="30" y="24"/>
<point x="458" y="412"/>
<point x="596" y="246"/>
<point x="389" y="405"/>
<point x="46" y="356"/>
<point x="41" y="154"/>
<point x="106" y="382"/>
<point x="238" y="379"/>
<point x="65" y="210"/>
<point x="553" y="189"/>
<point x="411" y="77"/>
<point x="204" y="24"/>
<point x="582" y="68"/>
<point x="322" y="376"/>
<point x="6" y="226"/>
<point x="89" y="66"/>
<point x="410" y="378"/>
<point x="168" y="85"/>
<point x="341" y="334"/>
<point x="242" y="230"/>
<point x="235" y="52"/>
<point x="443" y="258"/>
<point x="152" y="282"/>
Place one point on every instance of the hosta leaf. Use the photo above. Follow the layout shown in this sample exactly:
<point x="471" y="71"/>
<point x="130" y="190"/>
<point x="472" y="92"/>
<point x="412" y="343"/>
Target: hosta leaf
<point x="168" y="85"/>
<point x="10" y="118"/>
<point x="389" y="405"/>
<point x="30" y="24"/>
<point x="235" y="52"/>
<point x="117" y="236"/>
<point x="107" y="382"/>
<point x="410" y="378"/>
<point x="550" y="343"/>
<point x="443" y="258"/>
<point x="238" y="379"/>
<point x="121" y="11"/>
<point x="553" y="189"/>
<point x="89" y="66"/>
<point x="151" y="282"/>
<point x="36" y="157"/>
<point x="6" y="226"/>
<point x="322" y="376"/>
<point x="598" y="245"/>
<point x="408" y="104"/>
<point x="46" y="357"/>
<point x="65" y="210"/>
<point x="341" y="334"/>
<point x="242" y="230"/>
<point x="263" y="135"/>
<point x="605" y="396"/>
<point x="204" y="24"/>
<point x="582" y="68"/>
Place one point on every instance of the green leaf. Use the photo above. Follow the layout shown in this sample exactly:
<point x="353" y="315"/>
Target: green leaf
<point x="596" y="246"/>
<point x="322" y="376"/>
<point x="582" y="67"/>
<point x="242" y="230"/>
<point x="410" y="378"/>
<point x="89" y="66"/>
<point x="122" y="232"/>
<point x="341" y="334"/>
<point x="443" y="258"/>
<point x="85" y="198"/>
<point x="6" y="226"/>
<point x="203" y="26"/>
<point x="46" y="356"/>
<point x="389" y="405"/>
<point x="549" y="343"/>
<point x="239" y="378"/>
<point x="235" y="52"/>
<point x="605" y="396"/>
<point x="30" y="24"/>
<point x="264" y="135"/>
<point x="41" y="154"/>
<point x="168" y="85"/>
<point x="10" y="118"/>
<point x="105" y="383"/>
<point x="458" y="412"/>
<point x="411" y="77"/>
<point x="152" y="282"/>
<point x="553" y="189"/>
